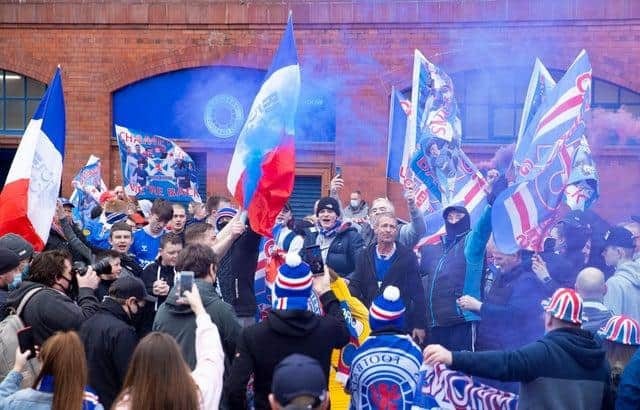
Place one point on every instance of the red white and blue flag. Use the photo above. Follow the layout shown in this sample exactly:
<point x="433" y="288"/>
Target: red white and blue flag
<point x="28" y="199"/>
<point x="522" y="213"/>
<point x="262" y="169"/>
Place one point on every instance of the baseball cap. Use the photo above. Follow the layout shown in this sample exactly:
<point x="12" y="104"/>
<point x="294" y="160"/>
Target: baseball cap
<point x="299" y="375"/>
<point x="565" y="304"/>
<point x="18" y="244"/>
<point x="8" y="260"/>
<point x="619" y="236"/>
<point x="127" y="287"/>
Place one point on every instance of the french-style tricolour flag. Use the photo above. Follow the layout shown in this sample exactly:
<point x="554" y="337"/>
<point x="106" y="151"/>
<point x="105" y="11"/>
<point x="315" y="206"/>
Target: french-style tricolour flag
<point x="28" y="199"/>
<point x="262" y="169"/>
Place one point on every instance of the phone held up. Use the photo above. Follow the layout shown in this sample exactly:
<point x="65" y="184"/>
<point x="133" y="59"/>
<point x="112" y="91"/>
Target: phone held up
<point x="312" y="256"/>
<point x="26" y="341"/>
<point x="184" y="283"/>
<point x="339" y="171"/>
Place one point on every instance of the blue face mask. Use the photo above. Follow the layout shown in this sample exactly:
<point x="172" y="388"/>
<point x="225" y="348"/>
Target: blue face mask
<point x="17" y="280"/>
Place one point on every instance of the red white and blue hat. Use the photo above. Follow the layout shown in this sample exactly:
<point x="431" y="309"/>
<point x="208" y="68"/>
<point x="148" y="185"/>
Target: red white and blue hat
<point x="292" y="287"/>
<point x="222" y="217"/>
<point x="387" y="309"/>
<point x="566" y="305"/>
<point x="621" y="329"/>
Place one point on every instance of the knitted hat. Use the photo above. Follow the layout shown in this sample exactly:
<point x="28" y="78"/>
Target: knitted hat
<point x="292" y="287"/>
<point x="223" y="214"/>
<point x="566" y="305"/>
<point x="387" y="309"/>
<point x="328" y="203"/>
<point x="8" y="260"/>
<point x="621" y="329"/>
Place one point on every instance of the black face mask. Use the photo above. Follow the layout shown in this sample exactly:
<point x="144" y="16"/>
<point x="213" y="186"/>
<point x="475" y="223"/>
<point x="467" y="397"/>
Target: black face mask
<point x="72" y="287"/>
<point x="137" y="317"/>
<point x="458" y="228"/>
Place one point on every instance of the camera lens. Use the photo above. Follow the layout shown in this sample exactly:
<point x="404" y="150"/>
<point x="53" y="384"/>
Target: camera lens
<point x="102" y="267"/>
<point x="79" y="268"/>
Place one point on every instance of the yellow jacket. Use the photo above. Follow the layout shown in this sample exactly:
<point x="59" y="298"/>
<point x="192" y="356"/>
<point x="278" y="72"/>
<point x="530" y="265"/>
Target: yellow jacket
<point x="357" y="317"/>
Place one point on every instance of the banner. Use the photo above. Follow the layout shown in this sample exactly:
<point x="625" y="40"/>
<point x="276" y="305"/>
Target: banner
<point x="520" y="214"/>
<point x="445" y="389"/>
<point x="155" y="167"/>
<point x="88" y="186"/>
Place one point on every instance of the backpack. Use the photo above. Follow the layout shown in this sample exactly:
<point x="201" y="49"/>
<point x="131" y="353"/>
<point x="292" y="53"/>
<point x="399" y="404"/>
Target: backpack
<point x="9" y="328"/>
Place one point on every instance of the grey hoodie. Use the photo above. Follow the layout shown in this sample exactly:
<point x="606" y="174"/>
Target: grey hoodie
<point x="623" y="290"/>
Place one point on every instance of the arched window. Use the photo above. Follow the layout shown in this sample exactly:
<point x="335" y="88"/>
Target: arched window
<point x="491" y="101"/>
<point x="19" y="98"/>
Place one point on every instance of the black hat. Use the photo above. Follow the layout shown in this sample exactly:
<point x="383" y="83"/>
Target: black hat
<point x="328" y="203"/>
<point x="457" y="208"/>
<point x="127" y="287"/>
<point x="8" y="260"/>
<point x="298" y="375"/>
<point x="619" y="236"/>
<point x="17" y="244"/>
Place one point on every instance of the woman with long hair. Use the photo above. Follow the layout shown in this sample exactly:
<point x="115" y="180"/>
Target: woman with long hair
<point x="61" y="382"/>
<point x="621" y="338"/>
<point x="159" y="378"/>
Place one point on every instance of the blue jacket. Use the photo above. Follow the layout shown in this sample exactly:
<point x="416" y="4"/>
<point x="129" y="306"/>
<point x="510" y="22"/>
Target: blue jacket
<point x="566" y="369"/>
<point x="628" y="396"/>
<point x="459" y="272"/>
<point x="12" y="398"/>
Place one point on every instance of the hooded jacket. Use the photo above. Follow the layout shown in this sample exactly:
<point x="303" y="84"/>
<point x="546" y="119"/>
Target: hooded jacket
<point x="343" y="250"/>
<point x="403" y="273"/>
<point x="109" y="341"/>
<point x="262" y="346"/>
<point x="623" y="290"/>
<point x="50" y="310"/>
<point x="151" y="273"/>
<point x="566" y="369"/>
<point x="458" y="272"/>
<point x="179" y="321"/>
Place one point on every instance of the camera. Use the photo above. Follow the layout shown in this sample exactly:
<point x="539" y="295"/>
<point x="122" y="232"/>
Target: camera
<point x="102" y="267"/>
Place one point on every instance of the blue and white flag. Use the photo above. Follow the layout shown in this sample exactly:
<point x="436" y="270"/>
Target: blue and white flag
<point x="521" y="213"/>
<point x="398" y="108"/>
<point x="540" y="84"/>
<point x="156" y="167"/>
<point x="384" y="373"/>
<point x="444" y="389"/>
<point x="88" y="186"/>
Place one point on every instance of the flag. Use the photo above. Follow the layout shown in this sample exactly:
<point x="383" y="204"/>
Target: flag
<point x="522" y="213"/>
<point x="156" y="167"/>
<point x="28" y="199"/>
<point x="88" y="185"/>
<point x="262" y="169"/>
<point x="442" y="388"/>
<point x="540" y="84"/>
<point x="398" y="108"/>
<point x="261" y="287"/>
<point x="584" y="182"/>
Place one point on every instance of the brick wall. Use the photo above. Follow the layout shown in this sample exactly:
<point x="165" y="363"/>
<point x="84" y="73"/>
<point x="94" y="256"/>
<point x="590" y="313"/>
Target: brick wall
<point x="364" y="47"/>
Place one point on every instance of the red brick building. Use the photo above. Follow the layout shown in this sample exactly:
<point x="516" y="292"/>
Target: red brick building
<point x="359" y="48"/>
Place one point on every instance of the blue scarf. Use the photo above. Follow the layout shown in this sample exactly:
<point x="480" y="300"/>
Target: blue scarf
<point x="89" y="401"/>
<point x="330" y="232"/>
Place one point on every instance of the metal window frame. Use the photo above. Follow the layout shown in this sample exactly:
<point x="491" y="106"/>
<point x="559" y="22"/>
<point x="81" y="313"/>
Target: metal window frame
<point x="25" y="99"/>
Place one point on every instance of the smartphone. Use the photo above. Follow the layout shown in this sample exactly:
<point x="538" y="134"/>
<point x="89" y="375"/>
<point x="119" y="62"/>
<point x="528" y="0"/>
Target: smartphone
<point x="312" y="255"/>
<point x="184" y="283"/>
<point x="26" y="341"/>
<point x="339" y="170"/>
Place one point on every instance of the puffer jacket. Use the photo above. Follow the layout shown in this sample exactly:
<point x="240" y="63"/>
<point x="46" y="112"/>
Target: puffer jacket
<point x="344" y="249"/>
<point x="458" y="272"/>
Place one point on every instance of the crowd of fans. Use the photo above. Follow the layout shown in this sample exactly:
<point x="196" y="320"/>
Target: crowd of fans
<point x="111" y="330"/>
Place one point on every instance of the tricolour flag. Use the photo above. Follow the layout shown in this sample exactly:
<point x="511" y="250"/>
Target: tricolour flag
<point x="28" y="199"/>
<point x="262" y="169"/>
<point x="522" y="212"/>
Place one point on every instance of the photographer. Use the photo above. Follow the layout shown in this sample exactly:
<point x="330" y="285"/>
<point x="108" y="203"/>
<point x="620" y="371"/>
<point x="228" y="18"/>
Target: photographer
<point x="52" y="308"/>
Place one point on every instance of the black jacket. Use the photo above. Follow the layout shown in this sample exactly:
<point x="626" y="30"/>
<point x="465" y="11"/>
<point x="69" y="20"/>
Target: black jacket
<point x="109" y="341"/>
<point x="566" y="369"/>
<point x="150" y="274"/>
<point x="403" y="273"/>
<point x="69" y="242"/>
<point x="49" y="310"/>
<point x="129" y="263"/>
<point x="262" y="346"/>
<point x="237" y="271"/>
<point x="343" y="250"/>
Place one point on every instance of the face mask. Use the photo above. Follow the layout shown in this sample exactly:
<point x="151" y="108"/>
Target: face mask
<point x="136" y="318"/>
<point x="355" y="203"/>
<point x="17" y="280"/>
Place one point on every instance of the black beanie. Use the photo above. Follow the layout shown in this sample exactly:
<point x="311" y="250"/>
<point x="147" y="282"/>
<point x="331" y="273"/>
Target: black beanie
<point x="329" y="203"/>
<point x="8" y="260"/>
